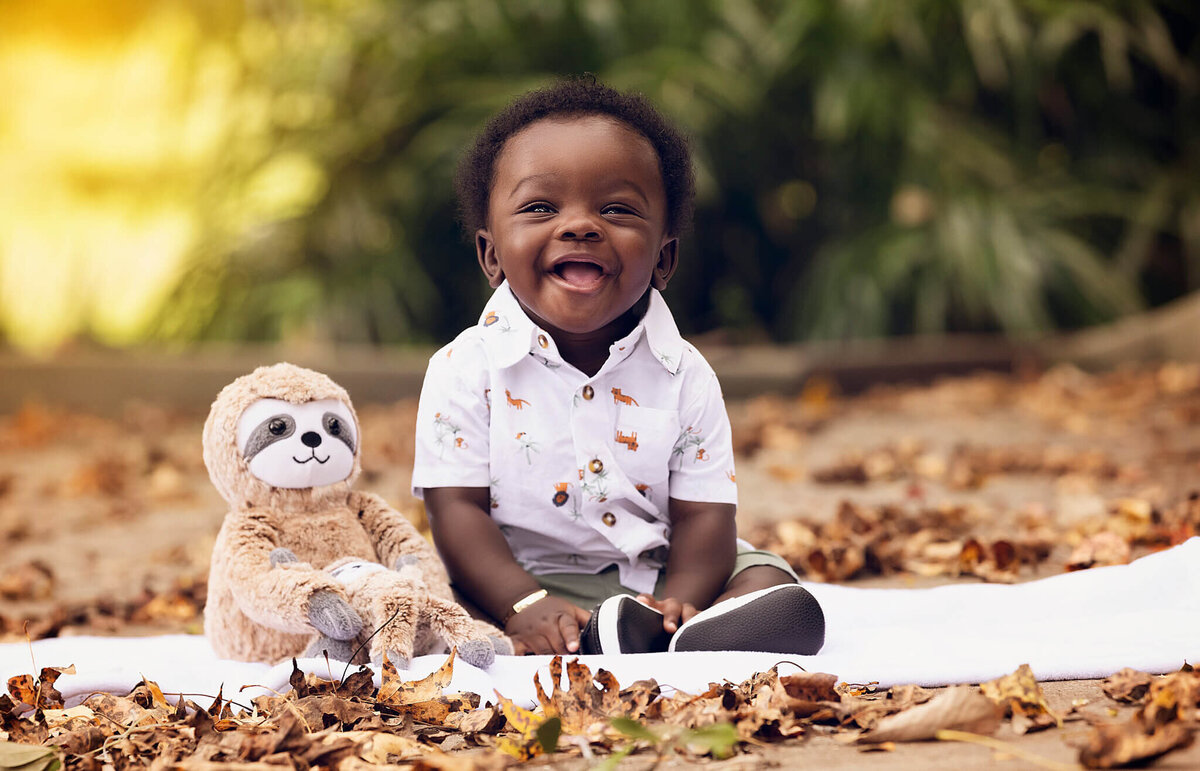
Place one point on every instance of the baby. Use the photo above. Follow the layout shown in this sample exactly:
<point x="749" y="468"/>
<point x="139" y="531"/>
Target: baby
<point x="572" y="449"/>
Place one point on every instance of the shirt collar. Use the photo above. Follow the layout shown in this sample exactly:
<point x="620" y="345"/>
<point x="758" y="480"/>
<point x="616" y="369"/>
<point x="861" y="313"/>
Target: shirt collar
<point x="511" y="335"/>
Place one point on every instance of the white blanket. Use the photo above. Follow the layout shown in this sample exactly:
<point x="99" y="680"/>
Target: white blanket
<point x="1089" y="624"/>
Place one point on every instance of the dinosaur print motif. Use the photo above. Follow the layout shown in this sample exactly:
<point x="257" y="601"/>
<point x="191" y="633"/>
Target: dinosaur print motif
<point x="518" y="403"/>
<point x="620" y="398"/>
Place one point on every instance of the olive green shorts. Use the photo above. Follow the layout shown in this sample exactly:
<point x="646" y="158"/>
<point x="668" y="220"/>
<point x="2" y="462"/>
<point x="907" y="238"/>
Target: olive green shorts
<point x="588" y="590"/>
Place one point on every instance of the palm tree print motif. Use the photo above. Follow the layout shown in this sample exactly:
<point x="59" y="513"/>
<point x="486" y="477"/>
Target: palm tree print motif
<point x="597" y="488"/>
<point x="690" y="442"/>
<point x="528" y="447"/>
<point x="446" y="432"/>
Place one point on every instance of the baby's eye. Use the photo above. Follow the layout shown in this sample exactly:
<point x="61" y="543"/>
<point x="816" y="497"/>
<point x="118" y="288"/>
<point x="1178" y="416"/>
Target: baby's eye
<point x="616" y="208"/>
<point x="538" y="208"/>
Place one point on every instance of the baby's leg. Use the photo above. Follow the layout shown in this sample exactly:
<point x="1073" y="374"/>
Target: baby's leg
<point x="753" y="579"/>
<point x="762" y="608"/>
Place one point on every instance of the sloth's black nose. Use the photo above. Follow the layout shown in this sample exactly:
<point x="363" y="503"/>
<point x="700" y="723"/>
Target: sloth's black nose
<point x="311" y="439"/>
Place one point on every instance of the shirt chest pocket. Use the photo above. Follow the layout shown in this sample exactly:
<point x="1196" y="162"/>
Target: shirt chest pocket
<point x="643" y="442"/>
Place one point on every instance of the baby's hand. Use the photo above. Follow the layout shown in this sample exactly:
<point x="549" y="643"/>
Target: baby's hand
<point x="674" y="612"/>
<point x="550" y="625"/>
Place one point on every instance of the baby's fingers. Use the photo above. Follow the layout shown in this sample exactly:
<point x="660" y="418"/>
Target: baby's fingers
<point x="569" y="630"/>
<point x="671" y="609"/>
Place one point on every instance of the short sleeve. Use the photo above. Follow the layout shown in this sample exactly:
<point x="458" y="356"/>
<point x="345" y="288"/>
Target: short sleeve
<point x="702" y="459"/>
<point x="453" y="420"/>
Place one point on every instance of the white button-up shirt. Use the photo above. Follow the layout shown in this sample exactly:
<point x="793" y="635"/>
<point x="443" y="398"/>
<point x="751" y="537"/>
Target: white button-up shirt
<point x="579" y="468"/>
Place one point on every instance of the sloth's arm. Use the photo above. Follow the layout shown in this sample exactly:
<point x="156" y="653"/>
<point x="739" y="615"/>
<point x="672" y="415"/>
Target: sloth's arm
<point x="276" y="596"/>
<point x="394" y="536"/>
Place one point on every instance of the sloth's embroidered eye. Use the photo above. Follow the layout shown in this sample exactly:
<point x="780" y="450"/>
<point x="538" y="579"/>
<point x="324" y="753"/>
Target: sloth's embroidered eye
<point x="335" y="427"/>
<point x="277" y="426"/>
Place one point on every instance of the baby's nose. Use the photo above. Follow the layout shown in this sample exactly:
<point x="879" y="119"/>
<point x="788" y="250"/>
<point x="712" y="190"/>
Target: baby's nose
<point x="311" y="439"/>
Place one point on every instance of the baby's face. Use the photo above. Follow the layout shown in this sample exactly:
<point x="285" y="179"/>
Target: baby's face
<point x="577" y="222"/>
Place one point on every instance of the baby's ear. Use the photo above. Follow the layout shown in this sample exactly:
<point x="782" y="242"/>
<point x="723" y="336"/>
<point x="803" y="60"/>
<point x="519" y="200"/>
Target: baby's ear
<point x="668" y="260"/>
<point x="485" y="251"/>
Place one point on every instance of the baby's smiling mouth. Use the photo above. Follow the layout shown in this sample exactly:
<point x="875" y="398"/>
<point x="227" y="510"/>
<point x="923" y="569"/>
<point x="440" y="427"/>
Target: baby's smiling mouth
<point x="579" y="273"/>
<point x="312" y="457"/>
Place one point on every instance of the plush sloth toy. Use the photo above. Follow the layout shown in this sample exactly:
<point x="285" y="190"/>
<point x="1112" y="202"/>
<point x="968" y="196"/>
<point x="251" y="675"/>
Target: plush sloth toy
<point x="304" y="564"/>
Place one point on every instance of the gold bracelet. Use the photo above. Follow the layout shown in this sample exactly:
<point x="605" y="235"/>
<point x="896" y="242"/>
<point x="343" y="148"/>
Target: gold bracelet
<point x="526" y="601"/>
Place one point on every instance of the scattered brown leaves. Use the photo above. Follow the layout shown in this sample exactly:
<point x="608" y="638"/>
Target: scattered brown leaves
<point x="966" y="466"/>
<point x="33" y="580"/>
<point x="889" y="539"/>
<point x="178" y="608"/>
<point x="349" y="724"/>
<point x="1166" y="721"/>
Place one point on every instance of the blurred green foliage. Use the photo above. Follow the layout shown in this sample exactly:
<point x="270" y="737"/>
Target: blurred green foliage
<point x="865" y="167"/>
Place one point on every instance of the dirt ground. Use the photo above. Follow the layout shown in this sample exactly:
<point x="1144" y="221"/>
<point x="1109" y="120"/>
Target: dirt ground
<point x="107" y="524"/>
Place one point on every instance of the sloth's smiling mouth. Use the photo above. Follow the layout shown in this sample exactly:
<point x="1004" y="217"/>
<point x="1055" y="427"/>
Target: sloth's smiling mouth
<point x="312" y="457"/>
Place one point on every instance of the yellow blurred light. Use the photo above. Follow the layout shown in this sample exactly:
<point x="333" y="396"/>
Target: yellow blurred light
<point x="284" y="187"/>
<point x="99" y="144"/>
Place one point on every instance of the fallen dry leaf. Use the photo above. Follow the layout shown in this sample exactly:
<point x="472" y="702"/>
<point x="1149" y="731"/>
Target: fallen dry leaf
<point x="1129" y="744"/>
<point x="1099" y="550"/>
<point x="587" y="703"/>
<point x="960" y="708"/>
<point x="1020" y="695"/>
<point x="1128" y="685"/>
<point x="396" y="692"/>
<point x="40" y="693"/>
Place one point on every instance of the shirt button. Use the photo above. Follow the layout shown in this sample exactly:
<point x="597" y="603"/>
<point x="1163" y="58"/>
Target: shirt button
<point x="588" y="393"/>
<point x="609" y="518"/>
<point x="542" y="341"/>
<point x="595" y="466"/>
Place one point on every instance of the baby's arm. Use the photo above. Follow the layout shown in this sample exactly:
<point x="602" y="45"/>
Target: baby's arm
<point x="482" y="566"/>
<point x="702" y="552"/>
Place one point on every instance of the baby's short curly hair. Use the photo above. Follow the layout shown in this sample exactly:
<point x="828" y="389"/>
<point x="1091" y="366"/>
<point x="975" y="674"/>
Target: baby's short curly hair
<point x="567" y="98"/>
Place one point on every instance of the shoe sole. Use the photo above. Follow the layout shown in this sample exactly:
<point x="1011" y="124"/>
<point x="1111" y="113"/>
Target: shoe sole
<point x="621" y="624"/>
<point x="779" y="619"/>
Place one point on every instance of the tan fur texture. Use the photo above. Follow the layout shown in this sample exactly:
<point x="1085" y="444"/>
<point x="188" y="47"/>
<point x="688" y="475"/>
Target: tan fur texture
<point x="259" y="612"/>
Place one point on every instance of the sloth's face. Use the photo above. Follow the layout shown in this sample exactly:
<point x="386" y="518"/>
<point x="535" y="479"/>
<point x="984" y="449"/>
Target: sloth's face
<point x="298" y="445"/>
